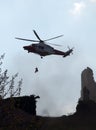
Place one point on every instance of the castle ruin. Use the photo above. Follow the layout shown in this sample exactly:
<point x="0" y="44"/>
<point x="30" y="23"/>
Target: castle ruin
<point x="88" y="85"/>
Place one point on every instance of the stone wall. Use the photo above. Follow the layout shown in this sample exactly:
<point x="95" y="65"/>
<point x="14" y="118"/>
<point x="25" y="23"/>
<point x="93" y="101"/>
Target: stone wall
<point x="88" y="85"/>
<point x="25" y="103"/>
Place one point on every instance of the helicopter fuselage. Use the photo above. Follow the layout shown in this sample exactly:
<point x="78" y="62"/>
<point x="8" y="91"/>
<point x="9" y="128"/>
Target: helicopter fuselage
<point x="43" y="49"/>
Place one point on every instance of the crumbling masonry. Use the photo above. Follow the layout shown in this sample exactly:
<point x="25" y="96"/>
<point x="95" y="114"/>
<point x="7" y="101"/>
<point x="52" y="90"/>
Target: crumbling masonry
<point x="88" y="85"/>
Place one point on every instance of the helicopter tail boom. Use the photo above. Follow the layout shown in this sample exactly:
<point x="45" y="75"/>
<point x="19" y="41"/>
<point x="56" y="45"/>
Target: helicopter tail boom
<point x="64" y="54"/>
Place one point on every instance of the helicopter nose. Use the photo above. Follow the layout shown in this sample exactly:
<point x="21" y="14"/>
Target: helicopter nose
<point x="25" y="47"/>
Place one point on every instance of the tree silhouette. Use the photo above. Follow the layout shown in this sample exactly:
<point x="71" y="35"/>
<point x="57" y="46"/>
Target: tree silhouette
<point x="7" y="84"/>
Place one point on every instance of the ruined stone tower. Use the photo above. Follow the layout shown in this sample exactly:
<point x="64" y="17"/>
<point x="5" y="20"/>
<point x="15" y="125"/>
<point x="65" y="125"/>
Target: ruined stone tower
<point x="88" y="85"/>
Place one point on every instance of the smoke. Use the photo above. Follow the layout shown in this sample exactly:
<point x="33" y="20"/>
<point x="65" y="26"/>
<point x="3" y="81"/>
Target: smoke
<point x="55" y="82"/>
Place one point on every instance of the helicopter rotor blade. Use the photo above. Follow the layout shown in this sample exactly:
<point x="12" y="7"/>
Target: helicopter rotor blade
<point x="71" y="48"/>
<point x="53" y="38"/>
<point x="54" y="44"/>
<point x="26" y="39"/>
<point x="37" y="35"/>
<point x="68" y="47"/>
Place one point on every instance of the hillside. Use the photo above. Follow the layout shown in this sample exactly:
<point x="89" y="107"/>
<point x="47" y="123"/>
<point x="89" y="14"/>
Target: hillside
<point x="12" y="117"/>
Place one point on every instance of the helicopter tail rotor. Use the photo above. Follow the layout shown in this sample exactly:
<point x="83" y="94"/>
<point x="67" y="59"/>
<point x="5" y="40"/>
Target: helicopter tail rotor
<point x="70" y="51"/>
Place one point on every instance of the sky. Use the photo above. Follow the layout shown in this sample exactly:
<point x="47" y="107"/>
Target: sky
<point x="58" y="82"/>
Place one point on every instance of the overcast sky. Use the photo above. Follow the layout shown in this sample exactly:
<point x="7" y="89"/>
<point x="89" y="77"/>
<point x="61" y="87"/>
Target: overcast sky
<point x="58" y="82"/>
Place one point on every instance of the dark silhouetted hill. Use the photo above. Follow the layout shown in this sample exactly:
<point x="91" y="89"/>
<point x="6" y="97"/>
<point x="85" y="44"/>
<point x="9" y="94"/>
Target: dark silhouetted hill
<point x="20" y="114"/>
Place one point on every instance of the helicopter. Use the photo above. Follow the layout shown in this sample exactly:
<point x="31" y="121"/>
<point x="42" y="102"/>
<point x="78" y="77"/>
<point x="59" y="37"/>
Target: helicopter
<point x="42" y="48"/>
